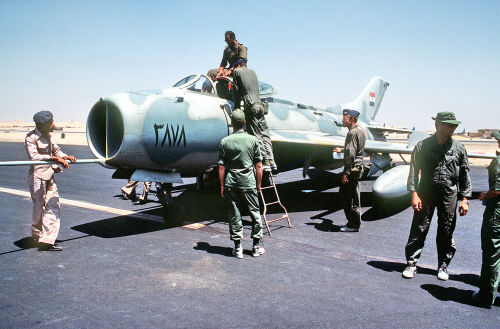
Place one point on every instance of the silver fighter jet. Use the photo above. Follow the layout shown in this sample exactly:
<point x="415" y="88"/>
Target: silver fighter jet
<point x="166" y="134"/>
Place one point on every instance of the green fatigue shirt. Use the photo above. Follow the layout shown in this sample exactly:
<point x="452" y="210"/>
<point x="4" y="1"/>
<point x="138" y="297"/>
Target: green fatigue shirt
<point x="353" y="148"/>
<point x="494" y="177"/>
<point x="238" y="153"/>
<point x="232" y="54"/>
<point x="246" y="87"/>
<point x="441" y="167"/>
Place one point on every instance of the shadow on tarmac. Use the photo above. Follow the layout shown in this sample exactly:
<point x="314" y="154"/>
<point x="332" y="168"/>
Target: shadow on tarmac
<point x="470" y="279"/>
<point x="121" y="226"/>
<point x="449" y="294"/>
<point x="454" y="294"/>
<point x="205" y="246"/>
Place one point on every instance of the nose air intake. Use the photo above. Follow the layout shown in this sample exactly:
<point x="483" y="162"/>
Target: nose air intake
<point x="105" y="130"/>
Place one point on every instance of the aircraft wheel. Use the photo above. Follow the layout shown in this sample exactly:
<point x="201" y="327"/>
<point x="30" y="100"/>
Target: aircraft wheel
<point x="164" y="193"/>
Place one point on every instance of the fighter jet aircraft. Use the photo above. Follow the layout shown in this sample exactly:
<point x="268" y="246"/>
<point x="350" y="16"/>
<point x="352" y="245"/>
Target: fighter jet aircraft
<point x="166" y="134"/>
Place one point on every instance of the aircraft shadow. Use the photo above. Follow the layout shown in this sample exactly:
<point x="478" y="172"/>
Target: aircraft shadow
<point x="121" y="226"/>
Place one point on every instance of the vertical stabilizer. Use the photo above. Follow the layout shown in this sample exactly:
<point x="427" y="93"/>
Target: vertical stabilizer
<point x="368" y="102"/>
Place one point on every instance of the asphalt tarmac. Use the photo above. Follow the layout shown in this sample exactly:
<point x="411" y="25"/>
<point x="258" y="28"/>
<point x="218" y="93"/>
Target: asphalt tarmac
<point x="123" y="266"/>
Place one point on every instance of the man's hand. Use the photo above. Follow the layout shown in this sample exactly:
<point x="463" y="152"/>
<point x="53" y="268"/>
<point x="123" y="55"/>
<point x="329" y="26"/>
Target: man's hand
<point x="463" y="207"/>
<point x="222" y="191"/>
<point x="70" y="158"/>
<point x="62" y="162"/>
<point x="228" y="73"/>
<point x="258" y="188"/>
<point x="344" y="179"/>
<point x="481" y="196"/>
<point x="337" y="150"/>
<point x="416" y="203"/>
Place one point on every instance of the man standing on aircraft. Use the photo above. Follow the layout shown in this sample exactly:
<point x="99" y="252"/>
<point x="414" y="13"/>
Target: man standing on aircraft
<point x="246" y="88"/>
<point x="490" y="235"/>
<point x="353" y="157"/>
<point x="40" y="146"/>
<point x="233" y="52"/>
<point x="239" y="154"/>
<point x="441" y="163"/>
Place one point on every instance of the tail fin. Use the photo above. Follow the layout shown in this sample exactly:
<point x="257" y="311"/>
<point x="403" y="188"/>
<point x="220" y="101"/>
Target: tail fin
<point x="368" y="102"/>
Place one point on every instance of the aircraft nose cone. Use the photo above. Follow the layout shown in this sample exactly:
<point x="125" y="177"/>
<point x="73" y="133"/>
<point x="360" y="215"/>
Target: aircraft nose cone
<point x="392" y="184"/>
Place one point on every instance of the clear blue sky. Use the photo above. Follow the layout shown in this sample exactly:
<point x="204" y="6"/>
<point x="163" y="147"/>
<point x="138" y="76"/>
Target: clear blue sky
<point x="63" y="56"/>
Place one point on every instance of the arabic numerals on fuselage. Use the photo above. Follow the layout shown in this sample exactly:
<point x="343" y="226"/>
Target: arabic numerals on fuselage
<point x="175" y="134"/>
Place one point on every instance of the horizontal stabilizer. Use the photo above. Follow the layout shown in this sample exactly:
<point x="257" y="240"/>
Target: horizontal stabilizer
<point x="379" y="130"/>
<point x="416" y="137"/>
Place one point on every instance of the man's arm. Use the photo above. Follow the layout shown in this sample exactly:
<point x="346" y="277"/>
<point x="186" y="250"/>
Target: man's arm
<point x="222" y="177"/>
<point x="57" y="152"/>
<point x="412" y="182"/>
<point x="351" y="145"/>
<point x="464" y="184"/>
<point x="33" y="154"/>
<point x="258" y="175"/>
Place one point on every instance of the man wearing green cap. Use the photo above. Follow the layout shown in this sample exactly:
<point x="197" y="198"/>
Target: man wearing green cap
<point x="442" y="165"/>
<point x="490" y="235"/>
<point x="239" y="154"/>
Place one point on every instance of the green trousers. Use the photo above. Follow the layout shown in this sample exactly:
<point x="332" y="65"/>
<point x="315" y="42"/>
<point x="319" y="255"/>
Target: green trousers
<point x="490" y="243"/>
<point x="240" y="199"/>
<point x="446" y="205"/>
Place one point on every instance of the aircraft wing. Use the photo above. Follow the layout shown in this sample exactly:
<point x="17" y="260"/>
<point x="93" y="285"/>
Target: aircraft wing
<point x="322" y="139"/>
<point x="317" y="139"/>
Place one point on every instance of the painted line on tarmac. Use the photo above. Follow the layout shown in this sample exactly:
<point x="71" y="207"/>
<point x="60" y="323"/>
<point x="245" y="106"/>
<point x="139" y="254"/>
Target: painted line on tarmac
<point x="87" y="205"/>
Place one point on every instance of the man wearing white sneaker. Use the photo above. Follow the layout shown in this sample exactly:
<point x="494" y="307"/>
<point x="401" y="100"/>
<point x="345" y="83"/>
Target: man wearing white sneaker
<point x="239" y="154"/>
<point x="439" y="175"/>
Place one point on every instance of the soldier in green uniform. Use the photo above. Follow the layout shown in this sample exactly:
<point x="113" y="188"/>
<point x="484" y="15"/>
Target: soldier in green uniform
<point x="443" y="167"/>
<point x="239" y="154"/>
<point x="246" y="89"/>
<point x="490" y="235"/>
<point x="232" y="53"/>
<point x="353" y="156"/>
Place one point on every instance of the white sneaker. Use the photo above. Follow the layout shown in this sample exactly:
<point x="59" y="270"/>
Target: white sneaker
<point x="238" y="252"/>
<point x="443" y="274"/>
<point x="257" y="251"/>
<point x="409" y="272"/>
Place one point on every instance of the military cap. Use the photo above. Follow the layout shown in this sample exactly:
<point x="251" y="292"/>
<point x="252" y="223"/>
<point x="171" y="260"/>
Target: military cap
<point x="238" y="116"/>
<point x="496" y="134"/>
<point x="42" y="117"/>
<point x="239" y="61"/>
<point x="447" y="117"/>
<point x="351" y="112"/>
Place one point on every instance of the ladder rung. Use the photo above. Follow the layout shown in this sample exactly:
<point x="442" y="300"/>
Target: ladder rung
<point x="270" y="186"/>
<point x="270" y="221"/>
<point x="268" y="204"/>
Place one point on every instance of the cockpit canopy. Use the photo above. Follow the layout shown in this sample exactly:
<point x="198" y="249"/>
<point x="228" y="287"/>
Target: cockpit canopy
<point x="221" y="88"/>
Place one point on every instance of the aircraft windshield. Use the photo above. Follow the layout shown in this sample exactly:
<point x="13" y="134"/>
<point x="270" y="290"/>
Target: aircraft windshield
<point x="266" y="89"/>
<point x="202" y="85"/>
<point x="185" y="80"/>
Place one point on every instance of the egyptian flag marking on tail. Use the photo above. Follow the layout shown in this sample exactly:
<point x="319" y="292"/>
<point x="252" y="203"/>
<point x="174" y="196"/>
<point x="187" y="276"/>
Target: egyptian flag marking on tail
<point x="372" y="99"/>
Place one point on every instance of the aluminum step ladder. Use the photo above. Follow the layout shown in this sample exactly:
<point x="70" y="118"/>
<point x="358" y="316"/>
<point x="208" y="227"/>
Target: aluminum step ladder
<point x="278" y="201"/>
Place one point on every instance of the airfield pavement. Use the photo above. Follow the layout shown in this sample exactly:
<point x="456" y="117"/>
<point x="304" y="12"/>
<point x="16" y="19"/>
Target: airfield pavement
<point x="124" y="266"/>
